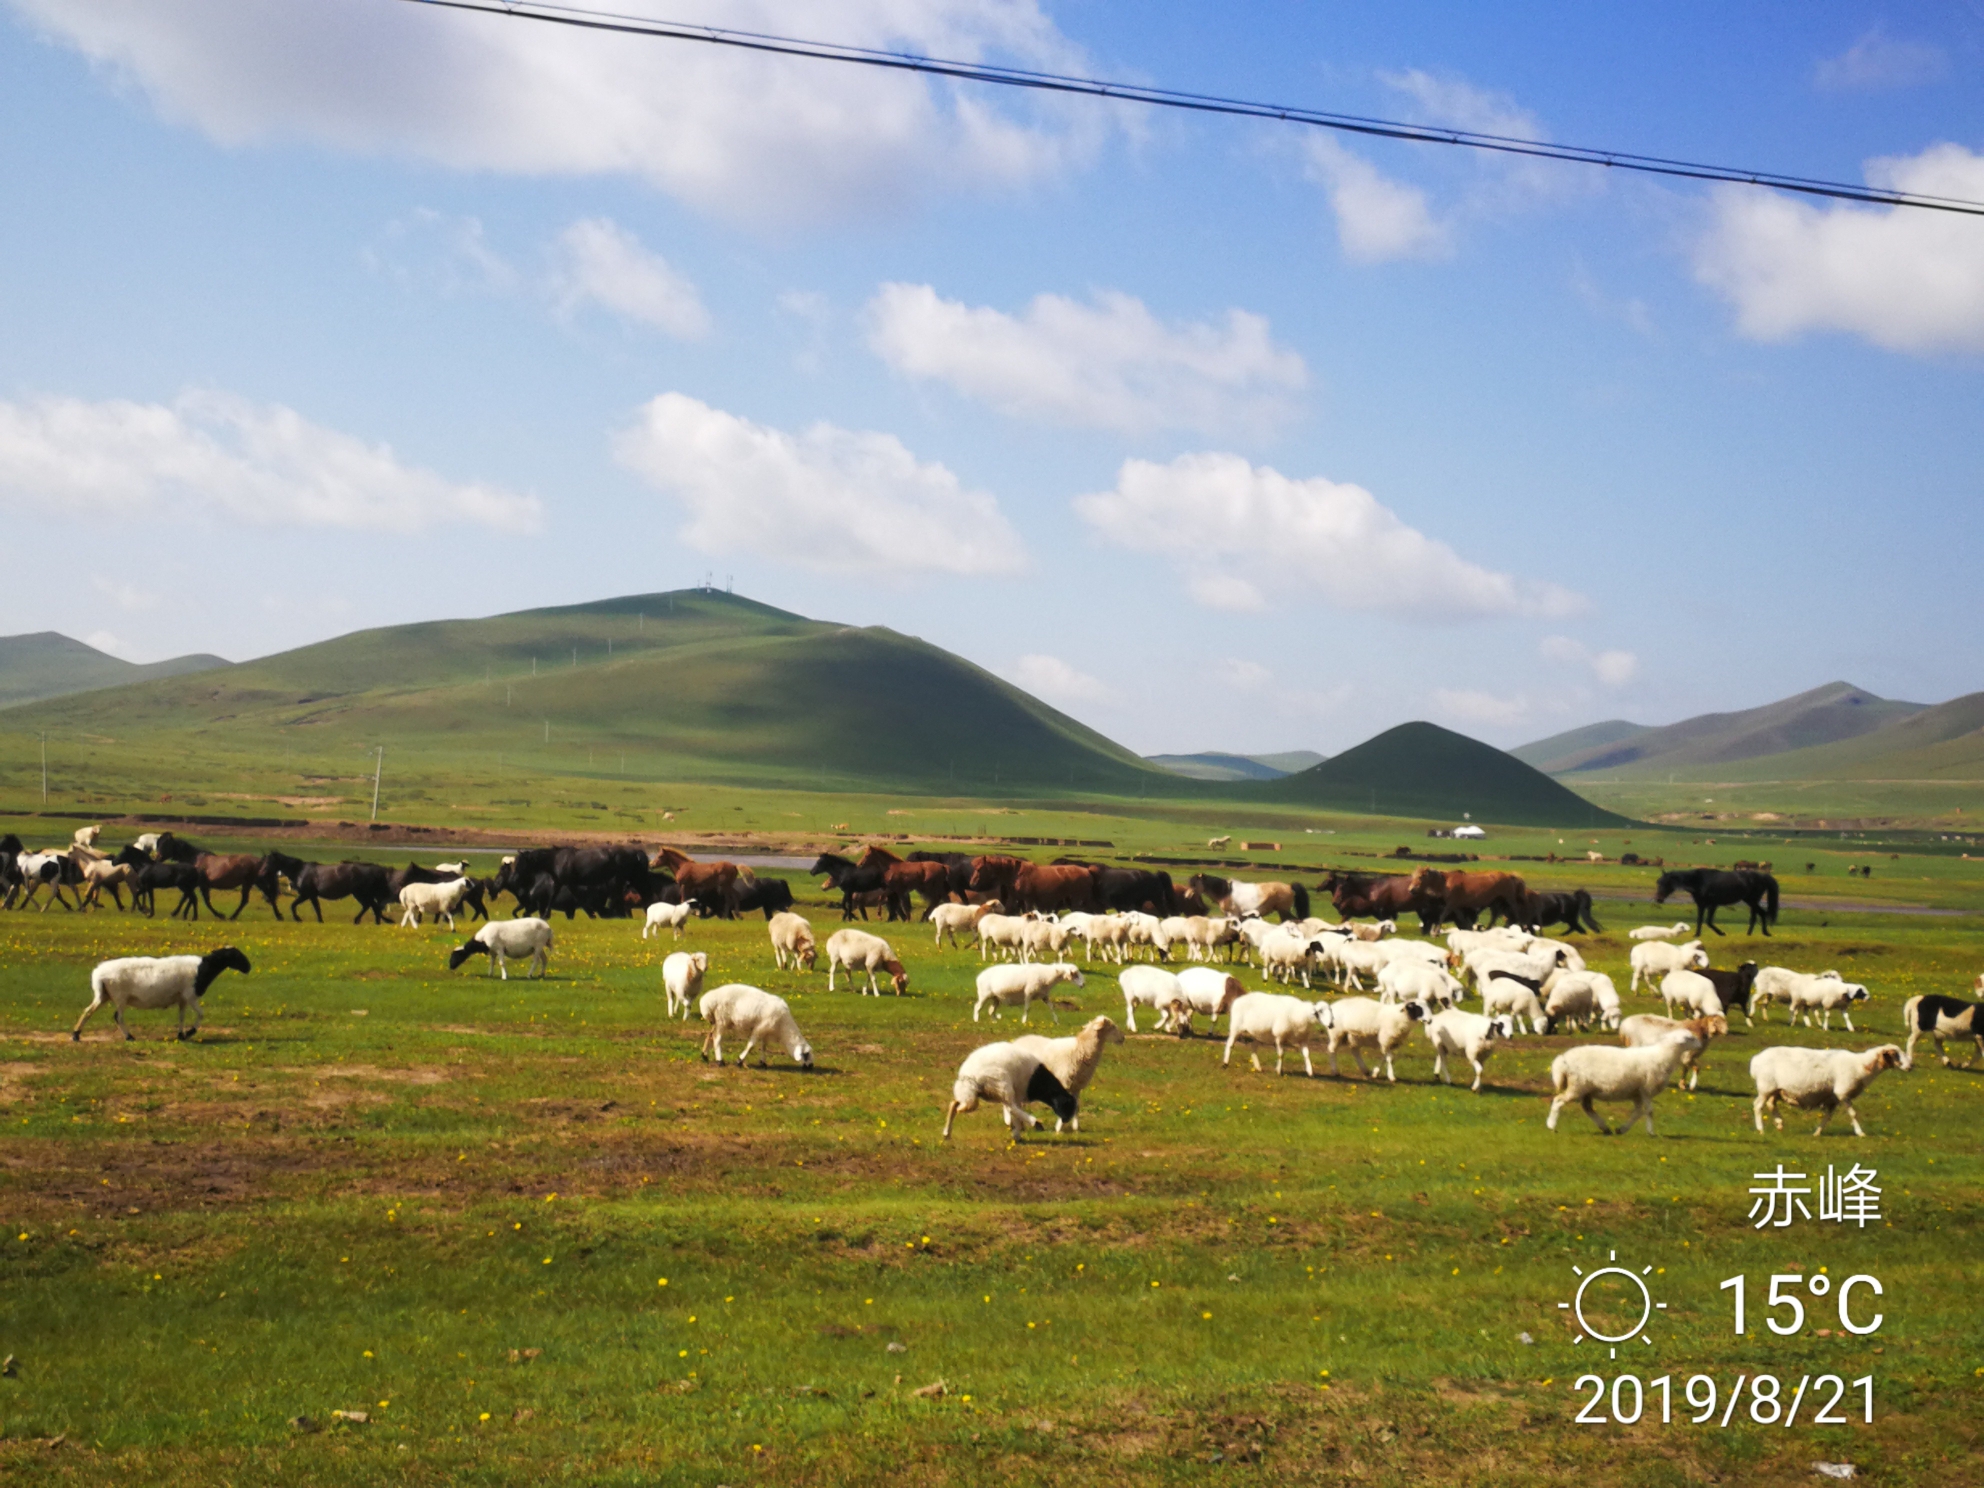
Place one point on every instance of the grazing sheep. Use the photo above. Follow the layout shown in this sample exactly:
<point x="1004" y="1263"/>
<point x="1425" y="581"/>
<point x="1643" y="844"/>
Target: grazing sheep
<point x="1012" y="1077"/>
<point x="1825" y="996"/>
<point x="504" y="940"/>
<point x="1501" y="938"/>
<point x="1516" y="997"/>
<point x="1045" y="940"/>
<point x="757" y="1016"/>
<point x="157" y="982"/>
<point x="1581" y="998"/>
<point x="1372" y="932"/>
<point x="1823" y="1078"/>
<point x="949" y="919"/>
<point x="1659" y="932"/>
<point x="1286" y="955"/>
<point x="1003" y="933"/>
<point x="1691" y="992"/>
<point x="1107" y="937"/>
<point x="1359" y="1023"/>
<point x="1414" y="981"/>
<point x="1471" y="1036"/>
<point x="1208" y="990"/>
<point x="1005" y="985"/>
<point x="1532" y="965"/>
<point x="438" y="899"/>
<point x="672" y="916"/>
<point x="1653" y="959"/>
<point x="1943" y="1017"/>
<point x="1279" y="1019"/>
<point x="1645" y="1029"/>
<point x="792" y="941"/>
<point x="682" y="978"/>
<point x="1072" y="1061"/>
<point x="1151" y="987"/>
<point x="1774" y="984"/>
<point x="857" y="950"/>
<point x="1594" y="1072"/>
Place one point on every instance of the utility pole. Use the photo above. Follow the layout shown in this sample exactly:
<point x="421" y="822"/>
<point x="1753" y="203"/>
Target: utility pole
<point x="378" y="769"/>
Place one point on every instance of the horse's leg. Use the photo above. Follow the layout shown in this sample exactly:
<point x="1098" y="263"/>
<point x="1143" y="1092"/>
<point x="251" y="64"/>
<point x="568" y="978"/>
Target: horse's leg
<point x="1708" y="915"/>
<point x="246" y="890"/>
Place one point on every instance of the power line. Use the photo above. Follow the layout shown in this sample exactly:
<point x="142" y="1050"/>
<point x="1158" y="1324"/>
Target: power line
<point x="1203" y="103"/>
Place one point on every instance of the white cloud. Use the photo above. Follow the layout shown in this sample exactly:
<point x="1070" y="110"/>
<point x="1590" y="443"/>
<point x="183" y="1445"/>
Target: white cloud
<point x="1377" y="218"/>
<point x="105" y="641"/>
<point x="1481" y="709"/>
<point x="1242" y="675"/>
<point x="1106" y="365"/>
<point x="1878" y="61"/>
<point x="1236" y="530"/>
<point x="1903" y="278"/>
<point x="1613" y="668"/>
<point x="826" y="498"/>
<point x="213" y="452"/>
<point x="599" y="262"/>
<point x="1460" y="105"/>
<point x="738" y="134"/>
<point x="124" y="596"/>
<point x="1055" y="680"/>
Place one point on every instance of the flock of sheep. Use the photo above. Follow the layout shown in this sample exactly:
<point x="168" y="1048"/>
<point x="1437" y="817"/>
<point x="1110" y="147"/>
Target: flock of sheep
<point x="1523" y="981"/>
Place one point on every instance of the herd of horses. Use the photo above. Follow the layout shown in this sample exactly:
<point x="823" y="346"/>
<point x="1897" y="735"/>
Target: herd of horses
<point x="610" y="881"/>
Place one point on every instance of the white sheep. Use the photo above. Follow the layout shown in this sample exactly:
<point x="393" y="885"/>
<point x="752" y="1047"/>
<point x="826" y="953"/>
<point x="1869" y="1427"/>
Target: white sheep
<point x="1405" y="980"/>
<point x="503" y="941"/>
<point x="1012" y="1077"/>
<point x="792" y="941"/>
<point x="1278" y="1019"/>
<point x="1469" y="1036"/>
<point x="1824" y="995"/>
<point x="1072" y="1061"/>
<point x="1569" y="957"/>
<point x="1152" y="987"/>
<point x="1005" y="985"/>
<point x="1774" y="983"/>
<point x="667" y="916"/>
<point x="1372" y="932"/>
<point x="1045" y="940"/>
<point x="857" y="950"/>
<point x="949" y="919"/>
<point x="1513" y="996"/>
<point x="1823" y="1078"/>
<point x="1003" y="933"/>
<point x="1501" y="938"/>
<point x="1582" y="996"/>
<point x="1653" y="959"/>
<point x="1658" y="932"/>
<point x="758" y="1017"/>
<point x="1645" y="1029"/>
<point x="1208" y="990"/>
<point x="1533" y="964"/>
<point x="682" y="979"/>
<point x="1286" y="955"/>
<point x="440" y="900"/>
<point x="1108" y="937"/>
<point x="1595" y="1072"/>
<point x="1690" y="991"/>
<point x="1359" y="1023"/>
<point x="157" y="982"/>
<point x="1167" y="932"/>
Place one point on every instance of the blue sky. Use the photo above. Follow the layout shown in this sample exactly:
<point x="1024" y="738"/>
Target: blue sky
<point x="1216" y="434"/>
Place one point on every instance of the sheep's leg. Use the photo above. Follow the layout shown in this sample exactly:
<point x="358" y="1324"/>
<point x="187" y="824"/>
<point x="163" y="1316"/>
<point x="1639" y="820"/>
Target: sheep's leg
<point x="1358" y="1055"/>
<point x="1826" y="1120"/>
<point x="1596" y="1120"/>
<point x="746" y="1053"/>
<point x="1227" y="1058"/>
<point x="1854" y="1116"/>
<point x="1388" y="1067"/>
<point x="1550" y="1121"/>
<point x="1307" y="1068"/>
<point x="1644" y="1108"/>
<point x="1334" y="1074"/>
<point x="1759" y="1106"/>
<point x="193" y="1032"/>
<point x="123" y="1027"/>
<point x="1479" y="1071"/>
<point x="541" y="961"/>
<point x="1254" y="1059"/>
<point x="1130" y="1015"/>
<point x="97" y="1000"/>
<point x="1849" y="1022"/>
<point x="1440" y="1065"/>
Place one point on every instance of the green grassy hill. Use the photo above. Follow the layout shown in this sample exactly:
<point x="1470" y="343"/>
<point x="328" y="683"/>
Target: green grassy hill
<point x="1715" y="741"/>
<point x="1423" y="770"/>
<point x="1559" y="751"/>
<point x="1210" y="764"/>
<point x="691" y="685"/>
<point x="1941" y="743"/>
<point x="46" y="664"/>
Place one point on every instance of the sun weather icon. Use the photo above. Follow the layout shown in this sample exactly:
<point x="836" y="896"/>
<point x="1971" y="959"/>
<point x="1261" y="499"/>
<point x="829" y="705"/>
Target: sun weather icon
<point x="1608" y="1330"/>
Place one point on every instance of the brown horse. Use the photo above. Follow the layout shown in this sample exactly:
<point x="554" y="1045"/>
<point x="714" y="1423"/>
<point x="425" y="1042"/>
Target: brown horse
<point x="932" y="881"/>
<point x="709" y="883"/>
<point x="992" y="876"/>
<point x="1388" y="896"/>
<point x="221" y="871"/>
<point x="1051" y="889"/>
<point x="1464" y="895"/>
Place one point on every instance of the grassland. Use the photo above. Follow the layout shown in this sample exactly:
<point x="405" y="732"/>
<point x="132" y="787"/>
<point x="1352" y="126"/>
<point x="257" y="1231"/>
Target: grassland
<point x="375" y="1186"/>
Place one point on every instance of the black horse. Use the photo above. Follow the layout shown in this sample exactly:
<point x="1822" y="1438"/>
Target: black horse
<point x="1711" y="888"/>
<point x="853" y="878"/>
<point x="765" y="892"/>
<point x="1573" y="908"/>
<point x="1137" y="888"/>
<point x="368" y="883"/>
<point x="186" y="878"/>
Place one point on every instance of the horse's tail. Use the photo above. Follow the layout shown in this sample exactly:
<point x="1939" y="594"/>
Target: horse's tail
<point x="1770" y="898"/>
<point x="1301" y="900"/>
<point x="1584" y="908"/>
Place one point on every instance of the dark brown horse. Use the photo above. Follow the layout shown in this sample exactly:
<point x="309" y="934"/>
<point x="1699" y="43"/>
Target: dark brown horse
<point x="992" y="876"/>
<point x="932" y="881"/>
<point x="1386" y="896"/>
<point x="220" y="871"/>
<point x="1464" y="895"/>
<point x="707" y="883"/>
<point x="1051" y="889"/>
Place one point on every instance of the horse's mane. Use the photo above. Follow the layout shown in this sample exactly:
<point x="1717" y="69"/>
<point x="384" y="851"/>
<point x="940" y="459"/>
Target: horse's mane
<point x="1213" y="884"/>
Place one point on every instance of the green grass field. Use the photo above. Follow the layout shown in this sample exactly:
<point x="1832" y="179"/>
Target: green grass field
<point x="371" y="1185"/>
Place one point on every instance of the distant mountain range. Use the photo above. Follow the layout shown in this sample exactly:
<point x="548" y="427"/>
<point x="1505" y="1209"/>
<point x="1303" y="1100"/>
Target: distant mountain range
<point x="1838" y="731"/>
<point x="46" y="664"/>
<point x="1212" y="765"/>
<point x="701" y="686"/>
